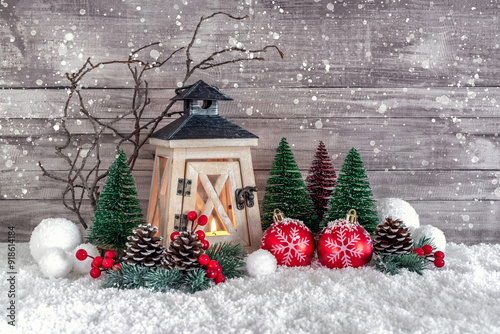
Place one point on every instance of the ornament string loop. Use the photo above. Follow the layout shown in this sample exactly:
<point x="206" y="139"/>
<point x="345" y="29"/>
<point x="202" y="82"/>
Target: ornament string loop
<point x="278" y="215"/>
<point x="351" y="216"/>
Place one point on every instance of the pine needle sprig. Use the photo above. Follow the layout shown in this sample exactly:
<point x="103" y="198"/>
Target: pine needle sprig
<point x="424" y="241"/>
<point x="162" y="279"/>
<point x="393" y="264"/>
<point x="128" y="277"/>
<point x="196" y="280"/>
<point x="230" y="256"/>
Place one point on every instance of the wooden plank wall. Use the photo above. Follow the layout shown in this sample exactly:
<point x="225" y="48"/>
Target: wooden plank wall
<point x="412" y="84"/>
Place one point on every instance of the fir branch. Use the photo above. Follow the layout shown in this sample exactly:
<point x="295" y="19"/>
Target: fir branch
<point x="163" y="279"/>
<point x="424" y="241"/>
<point x="196" y="280"/>
<point x="230" y="256"/>
<point x="128" y="277"/>
<point x="393" y="264"/>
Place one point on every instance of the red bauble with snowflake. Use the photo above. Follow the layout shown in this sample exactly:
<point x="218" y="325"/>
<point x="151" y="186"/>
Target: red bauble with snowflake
<point x="289" y="240"/>
<point x="345" y="243"/>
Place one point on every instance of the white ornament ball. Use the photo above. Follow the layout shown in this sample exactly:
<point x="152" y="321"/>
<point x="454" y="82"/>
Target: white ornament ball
<point x="83" y="267"/>
<point x="54" y="232"/>
<point x="261" y="262"/>
<point x="432" y="232"/>
<point x="55" y="263"/>
<point x="397" y="208"/>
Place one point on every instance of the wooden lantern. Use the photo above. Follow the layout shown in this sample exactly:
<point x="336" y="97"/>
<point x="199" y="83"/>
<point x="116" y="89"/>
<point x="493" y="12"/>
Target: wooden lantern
<point x="203" y="163"/>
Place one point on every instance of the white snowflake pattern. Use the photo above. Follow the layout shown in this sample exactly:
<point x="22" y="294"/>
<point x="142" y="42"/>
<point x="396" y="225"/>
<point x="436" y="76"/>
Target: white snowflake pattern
<point x="343" y="249"/>
<point x="290" y="245"/>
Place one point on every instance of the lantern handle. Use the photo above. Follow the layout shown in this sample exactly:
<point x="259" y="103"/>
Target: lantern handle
<point x="351" y="216"/>
<point x="278" y="215"/>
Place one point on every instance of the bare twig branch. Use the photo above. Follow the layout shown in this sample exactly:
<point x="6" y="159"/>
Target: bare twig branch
<point x="83" y="174"/>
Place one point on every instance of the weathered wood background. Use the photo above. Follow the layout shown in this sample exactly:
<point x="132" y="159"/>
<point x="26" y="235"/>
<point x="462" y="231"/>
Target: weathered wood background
<point x="412" y="84"/>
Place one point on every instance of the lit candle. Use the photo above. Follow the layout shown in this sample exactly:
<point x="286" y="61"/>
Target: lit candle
<point x="213" y="230"/>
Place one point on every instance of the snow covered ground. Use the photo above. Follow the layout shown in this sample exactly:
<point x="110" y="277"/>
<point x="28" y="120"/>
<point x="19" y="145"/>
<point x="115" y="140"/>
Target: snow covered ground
<point x="463" y="297"/>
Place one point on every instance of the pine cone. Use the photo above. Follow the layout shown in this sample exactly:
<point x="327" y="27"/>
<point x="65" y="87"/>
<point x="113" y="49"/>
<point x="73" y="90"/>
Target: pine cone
<point x="392" y="238"/>
<point x="144" y="247"/>
<point x="183" y="252"/>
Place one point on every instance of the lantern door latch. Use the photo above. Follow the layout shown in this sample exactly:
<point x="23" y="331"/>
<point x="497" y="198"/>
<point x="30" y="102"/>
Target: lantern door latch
<point x="245" y="196"/>
<point x="184" y="187"/>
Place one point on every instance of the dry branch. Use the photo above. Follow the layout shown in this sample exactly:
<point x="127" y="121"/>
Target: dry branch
<point x="82" y="181"/>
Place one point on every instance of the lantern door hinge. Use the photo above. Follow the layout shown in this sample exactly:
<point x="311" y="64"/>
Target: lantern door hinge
<point x="184" y="187"/>
<point x="180" y="223"/>
<point x="245" y="196"/>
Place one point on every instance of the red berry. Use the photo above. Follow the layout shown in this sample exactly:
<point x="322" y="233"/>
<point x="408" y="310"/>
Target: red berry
<point x="205" y="243"/>
<point x="219" y="279"/>
<point x="202" y="220"/>
<point x="95" y="272"/>
<point x="108" y="263"/>
<point x="212" y="264"/>
<point x="419" y="251"/>
<point x="192" y="215"/>
<point x="211" y="273"/>
<point x="81" y="254"/>
<point x="97" y="262"/>
<point x="219" y="270"/>
<point x="201" y="235"/>
<point x="439" y="262"/>
<point x="111" y="254"/>
<point x="427" y="249"/>
<point x="174" y="235"/>
<point x="117" y="267"/>
<point x="439" y="254"/>
<point x="203" y="259"/>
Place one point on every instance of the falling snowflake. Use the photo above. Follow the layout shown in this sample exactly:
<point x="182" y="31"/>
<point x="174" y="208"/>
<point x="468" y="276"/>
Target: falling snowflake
<point x="346" y="249"/>
<point x="290" y="245"/>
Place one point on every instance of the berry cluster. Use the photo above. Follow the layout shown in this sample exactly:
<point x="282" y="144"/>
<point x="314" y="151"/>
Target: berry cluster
<point x="98" y="263"/>
<point x="214" y="270"/>
<point x="437" y="257"/>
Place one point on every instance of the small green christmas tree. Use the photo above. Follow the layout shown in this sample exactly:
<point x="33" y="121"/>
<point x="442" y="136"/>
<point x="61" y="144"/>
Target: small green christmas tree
<point x="287" y="191"/>
<point x="353" y="191"/>
<point x="118" y="210"/>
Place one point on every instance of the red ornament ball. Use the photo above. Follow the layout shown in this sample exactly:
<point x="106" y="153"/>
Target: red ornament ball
<point x="203" y="259"/>
<point x="419" y="251"/>
<point x="211" y="273"/>
<point x="427" y="249"/>
<point x="108" y="263"/>
<point x="439" y="254"/>
<point x="219" y="279"/>
<point x="192" y="215"/>
<point x="290" y="241"/>
<point x="202" y="220"/>
<point x="95" y="272"/>
<point x="81" y="254"/>
<point x="97" y="262"/>
<point x="205" y="243"/>
<point x="174" y="235"/>
<point x="111" y="254"/>
<point x="439" y="262"/>
<point x="344" y="244"/>
<point x="201" y="235"/>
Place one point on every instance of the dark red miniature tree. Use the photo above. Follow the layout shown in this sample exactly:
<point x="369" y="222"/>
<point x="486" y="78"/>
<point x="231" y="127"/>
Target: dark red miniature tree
<point x="321" y="180"/>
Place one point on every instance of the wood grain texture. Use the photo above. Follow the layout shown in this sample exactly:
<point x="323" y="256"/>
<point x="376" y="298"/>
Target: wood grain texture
<point x="413" y="85"/>
<point x="337" y="43"/>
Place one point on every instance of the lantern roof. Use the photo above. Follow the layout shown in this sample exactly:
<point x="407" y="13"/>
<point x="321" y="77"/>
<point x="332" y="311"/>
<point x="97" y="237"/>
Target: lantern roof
<point x="201" y="121"/>
<point x="202" y="127"/>
<point x="200" y="91"/>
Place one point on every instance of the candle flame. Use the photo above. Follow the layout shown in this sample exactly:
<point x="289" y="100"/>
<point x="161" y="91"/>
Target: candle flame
<point x="213" y="227"/>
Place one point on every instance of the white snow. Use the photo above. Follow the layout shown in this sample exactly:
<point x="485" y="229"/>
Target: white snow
<point x="460" y="298"/>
